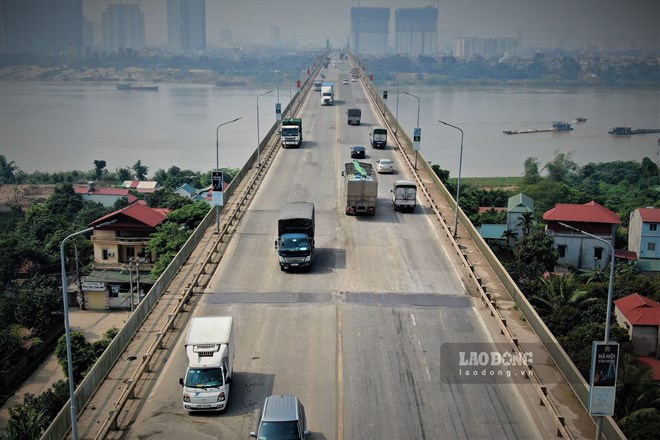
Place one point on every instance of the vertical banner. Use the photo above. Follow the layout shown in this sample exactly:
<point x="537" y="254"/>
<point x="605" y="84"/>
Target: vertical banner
<point x="298" y="84"/>
<point x="217" y="188"/>
<point x="604" y="364"/>
<point x="278" y="111"/>
<point x="417" y="138"/>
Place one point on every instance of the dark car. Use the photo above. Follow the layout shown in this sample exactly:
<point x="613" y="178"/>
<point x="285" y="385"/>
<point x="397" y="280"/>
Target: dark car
<point x="358" y="152"/>
<point x="282" y="417"/>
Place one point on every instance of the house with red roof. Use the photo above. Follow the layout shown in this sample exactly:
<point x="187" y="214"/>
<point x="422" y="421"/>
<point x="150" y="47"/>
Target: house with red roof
<point x="121" y="259"/>
<point x="105" y="196"/>
<point x="142" y="186"/>
<point x="644" y="239"/>
<point x="577" y="249"/>
<point x="641" y="317"/>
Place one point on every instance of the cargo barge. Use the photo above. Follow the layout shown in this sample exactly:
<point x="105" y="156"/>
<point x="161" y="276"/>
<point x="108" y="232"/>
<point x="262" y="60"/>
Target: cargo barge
<point x="627" y="131"/>
<point x="556" y="126"/>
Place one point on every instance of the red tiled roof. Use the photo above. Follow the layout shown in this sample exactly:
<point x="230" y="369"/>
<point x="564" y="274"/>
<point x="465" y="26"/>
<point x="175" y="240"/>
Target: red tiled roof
<point x="625" y="255"/>
<point x="137" y="211"/>
<point x="650" y="215"/>
<point x="101" y="191"/>
<point x="590" y="212"/>
<point x="652" y="363"/>
<point x="639" y="310"/>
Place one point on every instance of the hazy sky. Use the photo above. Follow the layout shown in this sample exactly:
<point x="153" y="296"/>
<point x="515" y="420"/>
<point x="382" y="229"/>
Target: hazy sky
<point x="615" y="23"/>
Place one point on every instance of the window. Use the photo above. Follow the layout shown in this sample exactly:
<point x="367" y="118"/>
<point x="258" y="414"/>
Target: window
<point x="653" y="226"/>
<point x="562" y="250"/>
<point x="651" y="247"/>
<point x="598" y="253"/>
<point x="104" y="254"/>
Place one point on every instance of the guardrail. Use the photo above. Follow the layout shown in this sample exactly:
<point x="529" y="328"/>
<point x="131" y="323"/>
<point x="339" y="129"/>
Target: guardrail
<point x="60" y="426"/>
<point x="558" y="355"/>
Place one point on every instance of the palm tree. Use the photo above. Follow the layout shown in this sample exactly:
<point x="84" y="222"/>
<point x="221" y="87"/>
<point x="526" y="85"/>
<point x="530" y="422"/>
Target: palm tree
<point x="510" y="236"/>
<point x="559" y="291"/>
<point x="526" y="222"/>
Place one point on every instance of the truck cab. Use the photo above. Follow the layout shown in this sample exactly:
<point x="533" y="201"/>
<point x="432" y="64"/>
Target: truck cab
<point x="291" y="132"/>
<point x="295" y="236"/>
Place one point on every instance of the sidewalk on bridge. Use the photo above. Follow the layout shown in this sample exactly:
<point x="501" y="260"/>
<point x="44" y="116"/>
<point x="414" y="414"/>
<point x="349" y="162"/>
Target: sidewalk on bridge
<point x="93" y="323"/>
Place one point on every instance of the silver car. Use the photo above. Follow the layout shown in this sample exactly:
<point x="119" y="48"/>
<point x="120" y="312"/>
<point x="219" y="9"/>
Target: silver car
<point x="282" y="417"/>
<point x="384" y="166"/>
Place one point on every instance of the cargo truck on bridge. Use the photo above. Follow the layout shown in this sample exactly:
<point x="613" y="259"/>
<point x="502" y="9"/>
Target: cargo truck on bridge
<point x="360" y="188"/>
<point x="292" y="132"/>
<point x="354" y="115"/>
<point x="404" y="195"/>
<point x="295" y="236"/>
<point x="327" y="93"/>
<point x="210" y="351"/>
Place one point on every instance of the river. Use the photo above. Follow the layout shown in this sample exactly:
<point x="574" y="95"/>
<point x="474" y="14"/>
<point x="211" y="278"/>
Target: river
<point x="49" y="126"/>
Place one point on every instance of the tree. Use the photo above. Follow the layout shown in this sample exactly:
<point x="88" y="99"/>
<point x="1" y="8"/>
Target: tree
<point x="533" y="255"/>
<point x="124" y="174"/>
<point x="532" y="174"/>
<point x="443" y="175"/>
<point x="7" y="170"/>
<point x="64" y="201"/>
<point x="562" y="168"/>
<point x="82" y="355"/>
<point x="526" y="222"/>
<point x="190" y="215"/>
<point x="25" y="423"/>
<point x="99" y="165"/>
<point x="140" y="170"/>
<point x="559" y="291"/>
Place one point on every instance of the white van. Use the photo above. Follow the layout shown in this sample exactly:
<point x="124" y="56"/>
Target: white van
<point x="404" y="195"/>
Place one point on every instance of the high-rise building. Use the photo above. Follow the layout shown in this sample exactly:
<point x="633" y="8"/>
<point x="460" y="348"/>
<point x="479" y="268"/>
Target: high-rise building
<point x="186" y="25"/>
<point x="123" y="27"/>
<point x="499" y="46"/>
<point x="41" y="26"/>
<point x="276" y="35"/>
<point x="370" y="30"/>
<point x="416" y="31"/>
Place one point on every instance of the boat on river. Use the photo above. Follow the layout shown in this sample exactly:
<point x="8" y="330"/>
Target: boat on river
<point x="556" y="126"/>
<point x="627" y="131"/>
<point x="132" y="87"/>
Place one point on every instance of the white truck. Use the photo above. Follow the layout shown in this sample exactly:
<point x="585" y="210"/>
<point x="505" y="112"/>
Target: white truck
<point x="210" y="352"/>
<point x="404" y="195"/>
<point x="327" y="93"/>
<point x="360" y="188"/>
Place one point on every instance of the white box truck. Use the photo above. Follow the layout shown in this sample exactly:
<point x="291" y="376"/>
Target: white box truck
<point x="210" y="352"/>
<point x="404" y="195"/>
<point x="327" y="93"/>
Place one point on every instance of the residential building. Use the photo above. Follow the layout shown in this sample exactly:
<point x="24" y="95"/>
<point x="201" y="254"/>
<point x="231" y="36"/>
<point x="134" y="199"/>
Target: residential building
<point x="370" y="30"/>
<point x="122" y="263"/>
<point x="640" y="316"/>
<point x="576" y="249"/>
<point x="644" y="238"/>
<point x="123" y="27"/>
<point x="105" y="196"/>
<point x="517" y="207"/>
<point x="487" y="47"/>
<point x="142" y="186"/>
<point x="53" y="27"/>
<point x="416" y="31"/>
<point x="186" y="25"/>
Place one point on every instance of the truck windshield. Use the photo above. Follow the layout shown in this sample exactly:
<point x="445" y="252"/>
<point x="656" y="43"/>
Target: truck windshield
<point x="294" y="245"/>
<point x="291" y="131"/>
<point x="380" y="137"/>
<point x="204" y="378"/>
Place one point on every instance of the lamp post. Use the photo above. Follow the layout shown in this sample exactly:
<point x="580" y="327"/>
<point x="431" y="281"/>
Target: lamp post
<point x="418" y="104"/>
<point x="67" y="330"/>
<point x="458" y="186"/>
<point x="258" y="138"/>
<point x="396" y="116"/>
<point x="610" y="294"/>
<point x="217" y="167"/>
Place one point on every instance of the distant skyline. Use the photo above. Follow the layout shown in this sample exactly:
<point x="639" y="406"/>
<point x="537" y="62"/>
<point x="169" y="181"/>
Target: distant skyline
<point x="609" y="24"/>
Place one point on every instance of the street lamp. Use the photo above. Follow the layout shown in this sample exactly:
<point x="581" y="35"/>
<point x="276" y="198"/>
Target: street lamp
<point x="418" y="104"/>
<point x="610" y="294"/>
<point x="67" y="330"/>
<point x="396" y="116"/>
<point x="458" y="186"/>
<point x="258" y="138"/>
<point x="217" y="167"/>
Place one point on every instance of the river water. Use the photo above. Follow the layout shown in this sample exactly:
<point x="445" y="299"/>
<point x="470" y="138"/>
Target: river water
<point x="66" y="126"/>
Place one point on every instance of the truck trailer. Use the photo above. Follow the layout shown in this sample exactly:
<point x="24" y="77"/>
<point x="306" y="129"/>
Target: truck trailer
<point x="295" y="236"/>
<point x="210" y="352"/>
<point x="354" y="115"/>
<point x="404" y="195"/>
<point x="360" y="188"/>
<point x="327" y="93"/>
<point x="292" y="132"/>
